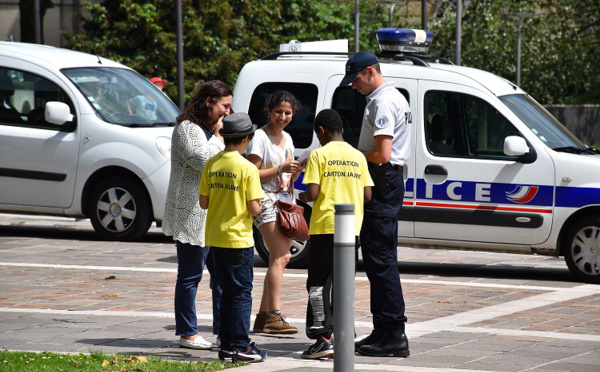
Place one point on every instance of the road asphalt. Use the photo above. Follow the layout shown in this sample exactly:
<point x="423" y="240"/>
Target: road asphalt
<point x="62" y="289"/>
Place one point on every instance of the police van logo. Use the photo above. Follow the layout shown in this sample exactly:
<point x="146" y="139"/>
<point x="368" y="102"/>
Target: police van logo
<point x="381" y="122"/>
<point x="522" y="194"/>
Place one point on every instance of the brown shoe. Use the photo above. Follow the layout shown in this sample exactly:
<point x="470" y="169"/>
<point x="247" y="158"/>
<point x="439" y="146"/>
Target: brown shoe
<point x="259" y="323"/>
<point x="276" y="324"/>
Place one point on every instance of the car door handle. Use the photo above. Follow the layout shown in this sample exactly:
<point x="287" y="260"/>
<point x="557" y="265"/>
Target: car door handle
<point x="436" y="169"/>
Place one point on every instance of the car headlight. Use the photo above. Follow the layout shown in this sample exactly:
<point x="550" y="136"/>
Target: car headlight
<point x="164" y="146"/>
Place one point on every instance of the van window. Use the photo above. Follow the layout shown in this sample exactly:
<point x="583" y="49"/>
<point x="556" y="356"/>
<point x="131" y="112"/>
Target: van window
<point x="23" y="98"/>
<point x="463" y="125"/>
<point x="301" y="127"/>
<point x="350" y="104"/>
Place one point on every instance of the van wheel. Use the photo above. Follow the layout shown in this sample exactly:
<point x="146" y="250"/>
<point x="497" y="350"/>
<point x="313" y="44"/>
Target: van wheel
<point x="298" y="250"/>
<point x="582" y="249"/>
<point x="120" y="209"/>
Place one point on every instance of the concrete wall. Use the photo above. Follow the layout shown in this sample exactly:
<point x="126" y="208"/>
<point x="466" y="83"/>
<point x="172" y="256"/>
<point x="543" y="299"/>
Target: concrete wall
<point x="583" y="121"/>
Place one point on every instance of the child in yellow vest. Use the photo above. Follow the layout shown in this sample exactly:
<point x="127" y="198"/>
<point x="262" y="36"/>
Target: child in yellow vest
<point x="336" y="173"/>
<point x="230" y="189"/>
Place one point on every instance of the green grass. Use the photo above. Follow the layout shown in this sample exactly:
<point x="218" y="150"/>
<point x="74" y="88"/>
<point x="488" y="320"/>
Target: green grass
<point x="13" y="361"/>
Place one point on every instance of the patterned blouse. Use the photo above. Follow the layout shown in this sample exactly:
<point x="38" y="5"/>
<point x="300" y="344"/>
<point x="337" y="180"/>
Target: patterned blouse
<point x="184" y="220"/>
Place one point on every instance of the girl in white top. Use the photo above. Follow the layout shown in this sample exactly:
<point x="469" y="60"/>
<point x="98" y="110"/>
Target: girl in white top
<point x="272" y="151"/>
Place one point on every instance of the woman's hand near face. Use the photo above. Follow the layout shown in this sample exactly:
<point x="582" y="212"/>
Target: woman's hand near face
<point x="217" y="128"/>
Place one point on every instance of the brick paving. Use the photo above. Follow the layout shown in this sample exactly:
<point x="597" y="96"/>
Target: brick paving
<point x="62" y="289"/>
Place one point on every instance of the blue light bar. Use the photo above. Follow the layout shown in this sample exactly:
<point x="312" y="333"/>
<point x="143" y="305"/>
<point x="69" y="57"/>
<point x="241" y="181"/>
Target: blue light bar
<point x="404" y="40"/>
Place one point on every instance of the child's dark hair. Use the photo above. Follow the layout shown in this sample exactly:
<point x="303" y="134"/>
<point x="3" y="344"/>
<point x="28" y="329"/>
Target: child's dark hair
<point x="330" y="120"/>
<point x="236" y="140"/>
<point x="279" y="97"/>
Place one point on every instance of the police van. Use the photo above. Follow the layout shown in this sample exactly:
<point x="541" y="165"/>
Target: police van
<point x="490" y="168"/>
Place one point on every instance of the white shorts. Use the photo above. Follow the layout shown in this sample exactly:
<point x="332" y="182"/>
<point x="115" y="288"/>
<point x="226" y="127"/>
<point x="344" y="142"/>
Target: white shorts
<point x="269" y="210"/>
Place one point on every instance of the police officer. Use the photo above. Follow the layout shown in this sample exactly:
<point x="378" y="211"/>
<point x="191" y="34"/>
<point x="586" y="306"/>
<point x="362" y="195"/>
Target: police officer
<point x="385" y="141"/>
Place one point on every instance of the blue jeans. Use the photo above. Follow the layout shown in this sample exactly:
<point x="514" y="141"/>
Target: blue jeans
<point x="379" y="241"/>
<point x="190" y="265"/>
<point x="235" y="270"/>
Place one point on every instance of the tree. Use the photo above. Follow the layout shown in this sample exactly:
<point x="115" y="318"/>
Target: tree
<point x="219" y="36"/>
<point x="560" y="44"/>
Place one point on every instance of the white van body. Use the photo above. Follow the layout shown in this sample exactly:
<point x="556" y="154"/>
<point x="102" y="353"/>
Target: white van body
<point x="65" y="151"/>
<point x="510" y="179"/>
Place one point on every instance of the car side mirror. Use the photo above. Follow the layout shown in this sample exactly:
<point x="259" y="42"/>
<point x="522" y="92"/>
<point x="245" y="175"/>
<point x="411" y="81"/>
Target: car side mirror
<point x="517" y="146"/>
<point x="57" y="113"/>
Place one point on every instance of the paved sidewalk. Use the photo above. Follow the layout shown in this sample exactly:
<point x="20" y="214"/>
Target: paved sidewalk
<point x="63" y="290"/>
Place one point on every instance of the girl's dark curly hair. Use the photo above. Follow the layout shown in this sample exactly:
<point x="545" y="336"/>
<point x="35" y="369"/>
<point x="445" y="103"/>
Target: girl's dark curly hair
<point x="198" y="110"/>
<point x="279" y="97"/>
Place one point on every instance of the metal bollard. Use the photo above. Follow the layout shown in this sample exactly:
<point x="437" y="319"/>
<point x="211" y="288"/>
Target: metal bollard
<point x="343" y="288"/>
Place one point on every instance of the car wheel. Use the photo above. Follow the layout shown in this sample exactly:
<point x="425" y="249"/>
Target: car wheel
<point x="298" y="250"/>
<point x="582" y="249"/>
<point x="120" y="209"/>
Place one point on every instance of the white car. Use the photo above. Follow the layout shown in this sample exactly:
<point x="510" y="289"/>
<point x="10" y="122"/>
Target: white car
<point x="490" y="168"/>
<point x="82" y="136"/>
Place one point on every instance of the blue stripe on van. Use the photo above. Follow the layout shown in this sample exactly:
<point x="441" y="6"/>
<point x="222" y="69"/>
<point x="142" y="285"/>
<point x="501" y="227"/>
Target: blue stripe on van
<point x="576" y="197"/>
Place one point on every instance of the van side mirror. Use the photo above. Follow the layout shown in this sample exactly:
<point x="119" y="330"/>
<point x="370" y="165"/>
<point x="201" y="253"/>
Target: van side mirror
<point x="57" y="113"/>
<point x="517" y="146"/>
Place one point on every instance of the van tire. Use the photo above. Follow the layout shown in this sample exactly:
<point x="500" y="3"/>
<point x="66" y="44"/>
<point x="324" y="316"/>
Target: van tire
<point x="581" y="248"/>
<point x="120" y="209"/>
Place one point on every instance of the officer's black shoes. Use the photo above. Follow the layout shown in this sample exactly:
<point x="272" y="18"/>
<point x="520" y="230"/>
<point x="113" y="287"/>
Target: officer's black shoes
<point x="394" y="343"/>
<point x="371" y="339"/>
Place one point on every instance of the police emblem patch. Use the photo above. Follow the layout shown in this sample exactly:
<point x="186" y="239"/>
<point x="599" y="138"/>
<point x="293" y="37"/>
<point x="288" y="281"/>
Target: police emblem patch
<point x="381" y="122"/>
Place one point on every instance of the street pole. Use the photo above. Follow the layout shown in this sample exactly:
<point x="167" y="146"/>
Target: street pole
<point x="522" y="17"/>
<point x="344" y="265"/>
<point x="356" y="25"/>
<point x="180" y="86"/>
<point x="424" y="14"/>
<point x="458" y="31"/>
<point x="37" y="21"/>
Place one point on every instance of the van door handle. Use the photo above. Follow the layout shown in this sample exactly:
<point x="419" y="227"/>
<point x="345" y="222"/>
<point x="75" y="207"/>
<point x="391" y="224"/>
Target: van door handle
<point x="436" y="169"/>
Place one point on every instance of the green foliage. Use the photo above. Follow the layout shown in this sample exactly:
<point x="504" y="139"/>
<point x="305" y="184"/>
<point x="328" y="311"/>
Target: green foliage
<point x="219" y="37"/>
<point x="560" y="44"/>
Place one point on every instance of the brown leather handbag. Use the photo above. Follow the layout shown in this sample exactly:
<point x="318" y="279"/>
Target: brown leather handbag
<point x="291" y="222"/>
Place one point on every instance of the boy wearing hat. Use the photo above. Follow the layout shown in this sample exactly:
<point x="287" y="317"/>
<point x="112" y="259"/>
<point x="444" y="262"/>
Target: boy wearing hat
<point x="385" y="141"/>
<point x="230" y="189"/>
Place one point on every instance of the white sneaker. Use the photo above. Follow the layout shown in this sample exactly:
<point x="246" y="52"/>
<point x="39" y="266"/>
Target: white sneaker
<point x="198" y="343"/>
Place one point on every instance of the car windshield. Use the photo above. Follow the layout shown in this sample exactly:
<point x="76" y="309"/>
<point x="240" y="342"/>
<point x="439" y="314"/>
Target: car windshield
<point x="122" y="96"/>
<point x="544" y="125"/>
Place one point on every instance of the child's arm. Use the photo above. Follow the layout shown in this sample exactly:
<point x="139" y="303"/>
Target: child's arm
<point x="254" y="207"/>
<point x="367" y="194"/>
<point x="311" y="193"/>
<point x="204" y="201"/>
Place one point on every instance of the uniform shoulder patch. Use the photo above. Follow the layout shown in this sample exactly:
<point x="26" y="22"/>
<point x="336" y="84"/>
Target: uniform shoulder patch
<point x="382" y="122"/>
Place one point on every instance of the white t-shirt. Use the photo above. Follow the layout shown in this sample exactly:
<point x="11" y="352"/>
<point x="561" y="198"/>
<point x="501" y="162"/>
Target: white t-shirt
<point x="273" y="156"/>
<point x="387" y="113"/>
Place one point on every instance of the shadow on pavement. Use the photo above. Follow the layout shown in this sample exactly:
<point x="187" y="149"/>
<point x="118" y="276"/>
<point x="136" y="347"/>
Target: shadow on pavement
<point x="495" y="271"/>
<point x="69" y="233"/>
